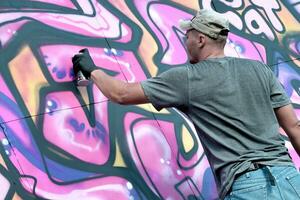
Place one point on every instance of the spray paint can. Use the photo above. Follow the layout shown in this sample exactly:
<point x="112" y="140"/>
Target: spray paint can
<point x="81" y="80"/>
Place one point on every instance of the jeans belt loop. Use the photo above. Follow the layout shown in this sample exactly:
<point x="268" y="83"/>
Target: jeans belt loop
<point x="273" y="180"/>
<point x="256" y="166"/>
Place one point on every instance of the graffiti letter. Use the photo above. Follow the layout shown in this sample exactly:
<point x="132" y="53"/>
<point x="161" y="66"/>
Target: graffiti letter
<point x="270" y="7"/>
<point x="257" y="25"/>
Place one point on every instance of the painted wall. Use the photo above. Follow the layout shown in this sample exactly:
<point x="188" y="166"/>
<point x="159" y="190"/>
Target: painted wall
<point x="59" y="141"/>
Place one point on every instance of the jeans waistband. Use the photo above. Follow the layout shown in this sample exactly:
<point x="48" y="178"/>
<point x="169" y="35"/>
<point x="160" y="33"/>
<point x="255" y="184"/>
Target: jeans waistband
<point x="253" y="167"/>
<point x="269" y="172"/>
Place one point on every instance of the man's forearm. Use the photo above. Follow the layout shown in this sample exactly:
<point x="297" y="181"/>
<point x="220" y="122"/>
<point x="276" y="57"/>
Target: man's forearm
<point x="296" y="145"/>
<point x="294" y="136"/>
<point x="111" y="88"/>
<point x="288" y="120"/>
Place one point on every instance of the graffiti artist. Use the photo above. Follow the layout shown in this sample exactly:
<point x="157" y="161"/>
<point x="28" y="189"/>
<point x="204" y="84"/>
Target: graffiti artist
<point x="235" y="104"/>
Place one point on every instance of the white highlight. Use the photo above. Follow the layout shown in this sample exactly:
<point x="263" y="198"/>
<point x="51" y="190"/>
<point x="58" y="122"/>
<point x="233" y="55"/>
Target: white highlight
<point x="129" y="186"/>
<point x="238" y="49"/>
<point x="114" y="51"/>
<point x="4" y="141"/>
<point x="49" y="103"/>
<point x="178" y="172"/>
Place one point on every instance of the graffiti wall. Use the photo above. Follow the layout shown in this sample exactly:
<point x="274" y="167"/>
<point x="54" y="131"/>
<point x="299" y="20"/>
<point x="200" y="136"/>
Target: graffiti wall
<point x="60" y="141"/>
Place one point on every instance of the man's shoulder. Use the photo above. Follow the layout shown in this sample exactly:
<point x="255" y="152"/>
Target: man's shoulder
<point x="249" y="61"/>
<point x="179" y="69"/>
<point x="174" y="71"/>
<point x="227" y="60"/>
<point x="245" y="60"/>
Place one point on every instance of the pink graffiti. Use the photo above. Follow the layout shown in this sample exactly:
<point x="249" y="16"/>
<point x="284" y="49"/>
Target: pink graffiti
<point x="70" y="129"/>
<point x="148" y="139"/>
<point x="10" y="30"/>
<point x="163" y="24"/>
<point x="247" y="49"/>
<point x="58" y="58"/>
<point x="66" y="120"/>
<point x="101" y="23"/>
<point x="65" y="3"/>
<point x="112" y="187"/>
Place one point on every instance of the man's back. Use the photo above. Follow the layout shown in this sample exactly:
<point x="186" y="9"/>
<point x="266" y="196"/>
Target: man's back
<point x="231" y="102"/>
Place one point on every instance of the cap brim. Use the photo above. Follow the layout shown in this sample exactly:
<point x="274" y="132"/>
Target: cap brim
<point x="185" y="25"/>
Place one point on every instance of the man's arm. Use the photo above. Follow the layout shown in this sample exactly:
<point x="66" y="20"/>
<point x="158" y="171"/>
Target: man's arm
<point x="291" y="125"/>
<point x="119" y="91"/>
<point x="115" y="90"/>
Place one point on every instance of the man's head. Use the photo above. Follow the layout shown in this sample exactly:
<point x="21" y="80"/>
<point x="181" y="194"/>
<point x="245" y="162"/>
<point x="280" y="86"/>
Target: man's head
<point x="207" y="31"/>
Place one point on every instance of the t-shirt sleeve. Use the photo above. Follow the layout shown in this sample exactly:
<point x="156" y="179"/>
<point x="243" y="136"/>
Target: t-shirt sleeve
<point x="169" y="89"/>
<point x="278" y="95"/>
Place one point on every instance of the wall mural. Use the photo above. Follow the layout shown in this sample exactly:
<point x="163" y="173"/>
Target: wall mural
<point x="59" y="141"/>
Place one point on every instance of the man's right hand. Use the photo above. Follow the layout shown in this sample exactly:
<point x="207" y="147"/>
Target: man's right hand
<point x="84" y="63"/>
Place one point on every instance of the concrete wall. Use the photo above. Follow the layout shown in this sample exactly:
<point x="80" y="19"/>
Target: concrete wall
<point x="59" y="141"/>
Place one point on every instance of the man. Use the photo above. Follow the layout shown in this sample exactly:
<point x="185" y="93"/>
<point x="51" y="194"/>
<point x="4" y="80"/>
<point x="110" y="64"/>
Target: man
<point x="235" y="105"/>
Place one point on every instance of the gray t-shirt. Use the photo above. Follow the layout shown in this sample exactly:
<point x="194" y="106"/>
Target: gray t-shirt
<point x="230" y="101"/>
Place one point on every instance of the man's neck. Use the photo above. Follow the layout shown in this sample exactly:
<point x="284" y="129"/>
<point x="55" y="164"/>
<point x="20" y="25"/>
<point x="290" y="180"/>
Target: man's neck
<point x="216" y="56"/>
<point x="213" y="55"/>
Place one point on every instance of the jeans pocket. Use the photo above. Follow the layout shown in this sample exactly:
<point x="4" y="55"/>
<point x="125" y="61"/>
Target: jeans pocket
<point x="294" y="181"/>
<point x="249" y="191"/>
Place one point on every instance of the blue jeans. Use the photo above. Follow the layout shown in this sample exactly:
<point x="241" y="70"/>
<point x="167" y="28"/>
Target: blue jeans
<point x="268" y="182"/>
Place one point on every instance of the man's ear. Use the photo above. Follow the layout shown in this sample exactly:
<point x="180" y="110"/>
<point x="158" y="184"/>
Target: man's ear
<point x="201" y="40"/>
